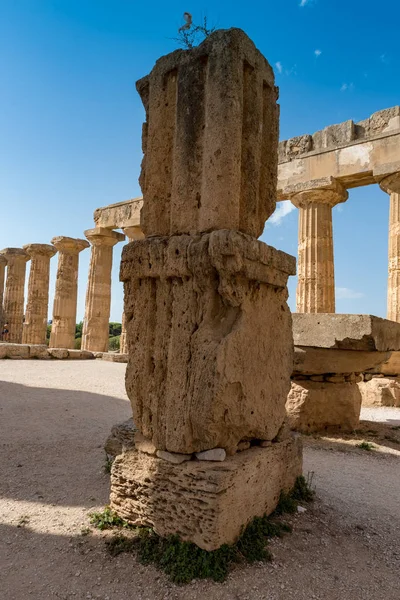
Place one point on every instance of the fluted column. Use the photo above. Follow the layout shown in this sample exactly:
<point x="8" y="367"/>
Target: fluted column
<point x="14" y="293"/>
<point x="98" y="294"/>
<point x="391" y="185"/>
<point x="66" y="294"/>
<point x="35" y="325"/>
<point x="316" y="278"/>
<point x="3" y="264"/>
<point x="132" y="233"/>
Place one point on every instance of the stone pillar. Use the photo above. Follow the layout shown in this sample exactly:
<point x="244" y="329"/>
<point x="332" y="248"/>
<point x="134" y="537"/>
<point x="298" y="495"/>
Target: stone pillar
<point x="211" y="344"/>
<point x="391" y="185"/>
<point x="3" y="264"/>
<point x="64" y="309"/>
<point x="132" y="233"/>
<point x="98" y="294"/>
<point x="14" y="293"/>
<point x="35" y="325"/>
<point x="316" y="279"/>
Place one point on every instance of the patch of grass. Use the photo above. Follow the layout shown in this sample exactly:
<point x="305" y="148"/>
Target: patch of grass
<point x="108" y="519"/>
<point x="365" y="446"/>
<point x="85" y="531"/>
<point x="184" y="561"/>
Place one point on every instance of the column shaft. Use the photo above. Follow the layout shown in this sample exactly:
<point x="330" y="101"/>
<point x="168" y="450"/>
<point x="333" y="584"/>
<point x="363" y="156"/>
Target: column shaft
<point x="35" y="325"/>
<point x="316" y="278"/>
<point x="391" y="185"/>
<point x="98" y="295"/>
<point x="66" y="294"/>
<point x="133" y="233"/>
<point x="14" y="292"/>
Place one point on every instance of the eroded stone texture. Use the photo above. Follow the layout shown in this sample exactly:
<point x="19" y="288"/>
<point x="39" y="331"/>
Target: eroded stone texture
<point x="209" y="335"/>
<point x="382" y="391"/>
<point x="95" y="332"/>
<point x="64" y="308"/>
<point x="316" y="281"/>
<point x="133" y="233"/>
<point x="391" y="185"/>
<point x="35" y="325"/>
<point x="207" y="503"/>
<point x="3" y="264"/>
<point x="319" y="406"/>
<point x="14" y="292"/>
<point x="210" y="139"/>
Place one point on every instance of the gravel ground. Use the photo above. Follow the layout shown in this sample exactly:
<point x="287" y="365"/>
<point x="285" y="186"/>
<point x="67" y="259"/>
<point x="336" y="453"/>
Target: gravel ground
<point x="54" y="418"/>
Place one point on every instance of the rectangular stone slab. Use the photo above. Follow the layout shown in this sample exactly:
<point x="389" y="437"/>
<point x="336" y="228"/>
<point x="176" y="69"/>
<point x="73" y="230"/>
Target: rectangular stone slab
<point x="315" y="361"/>
<point x="346" y="332"/>
<point x="203" y="502"/>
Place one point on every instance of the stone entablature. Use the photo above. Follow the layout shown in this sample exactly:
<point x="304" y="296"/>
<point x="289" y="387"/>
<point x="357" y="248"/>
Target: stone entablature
<point x="354" y="153"/>
<point x="120" y="215"/>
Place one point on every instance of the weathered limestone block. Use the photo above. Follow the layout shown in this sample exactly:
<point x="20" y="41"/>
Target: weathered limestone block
<point x="59" y="353"/>
<point x="115" y="357"/>
<point x="318" y="361"/>
<point x="209" y="332"/>
<point x="320" y="406"/>
<point x="3" y="264"/>
<point x="210" y="139"/>
<point x="35" y="325"/>
<point x="208" y="503"/>
<point x="133" y="233"/>
<point x="80" y="355"/>
<point x="17" y="351"/>
<point x="95" y="332"/>
<point x="64" y="309"/>
<point x="39" y="351"/>
<point x="380" y="392"/>
<point x="121" y="438"/>
<point x="14" y="292"/>
<point x="316" y="281"/>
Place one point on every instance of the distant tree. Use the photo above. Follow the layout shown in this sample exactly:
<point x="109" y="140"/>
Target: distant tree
<point x="78" y="330"/>
<point x="114" y="343"/>
<point x="114" y="329"/>
<point x="78" y="343"/>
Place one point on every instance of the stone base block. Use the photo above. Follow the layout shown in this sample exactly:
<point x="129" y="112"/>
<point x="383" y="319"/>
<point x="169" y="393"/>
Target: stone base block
<point x="380" y="392"/>
<point x="321" y="406"/>
<point x="203" y="502"/>
<point x="40" y="351"/>
<point x="115" y="357"/>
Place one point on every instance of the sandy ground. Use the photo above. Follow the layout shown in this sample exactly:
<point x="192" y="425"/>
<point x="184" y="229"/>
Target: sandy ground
<point x="54" y="418"/>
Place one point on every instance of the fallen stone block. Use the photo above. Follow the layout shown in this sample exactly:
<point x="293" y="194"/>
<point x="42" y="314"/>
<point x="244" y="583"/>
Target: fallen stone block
<point x="380" y="392"/>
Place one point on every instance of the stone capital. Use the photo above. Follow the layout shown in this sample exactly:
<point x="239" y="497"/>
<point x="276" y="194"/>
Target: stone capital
<point x="12" y="254"/>
<point x="133" y="233"/>
<point x="69" y="245"/>
<point x="331" y="194"/>
<point x="101" y="236"/>
<point x="40" y="249"/>
<point x="391" y="184"/>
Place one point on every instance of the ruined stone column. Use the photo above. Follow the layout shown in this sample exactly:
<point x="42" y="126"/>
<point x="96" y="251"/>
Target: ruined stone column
<point x="14" y="293"/>
<point x="65" y="299"/>
<point x="391" y="185"/>
<point x="316" y="279"/>
<point x="132" y="233"/>
<point x="98" y="294"/>
<point x="35" y="325"/>
<point x="208" y="326"/>
<point x="3" y="264"/>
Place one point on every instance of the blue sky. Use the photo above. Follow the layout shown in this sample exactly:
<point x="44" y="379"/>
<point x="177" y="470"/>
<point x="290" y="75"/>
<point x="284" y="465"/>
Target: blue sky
<point x="70" y="118"/>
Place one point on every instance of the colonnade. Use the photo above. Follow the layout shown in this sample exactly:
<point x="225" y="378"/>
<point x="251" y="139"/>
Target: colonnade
<point x="316" y="278"/>
<point x="30" y="326"/>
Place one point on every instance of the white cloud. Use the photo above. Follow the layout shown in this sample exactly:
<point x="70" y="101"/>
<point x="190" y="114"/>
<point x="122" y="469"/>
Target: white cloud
<point x="317" y="52"/>
<point x="343" y="293"/>
<point x="282" y="209"/>
<point x="303" y="2"/>
<point x="347" y="87"/>
<point x="384" y="58"/>
<point x="279" y="67"/>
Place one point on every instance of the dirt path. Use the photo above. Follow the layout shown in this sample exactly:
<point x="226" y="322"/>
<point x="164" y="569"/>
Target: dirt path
<point x="54" y="418"/>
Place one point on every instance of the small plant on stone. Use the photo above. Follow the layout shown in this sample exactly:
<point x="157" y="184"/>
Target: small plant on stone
<point x="107" y="464"/>
<point x="365" y="446"/>
<point x="23" y="520"/>
<point x="108" y="519"/>
<point x="190" y="35"/>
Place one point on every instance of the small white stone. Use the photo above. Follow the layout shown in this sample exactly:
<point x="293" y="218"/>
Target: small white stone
<point x="216" y="454"/>
<point x="173" y="457"/>
<point x="301" y="509"/>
